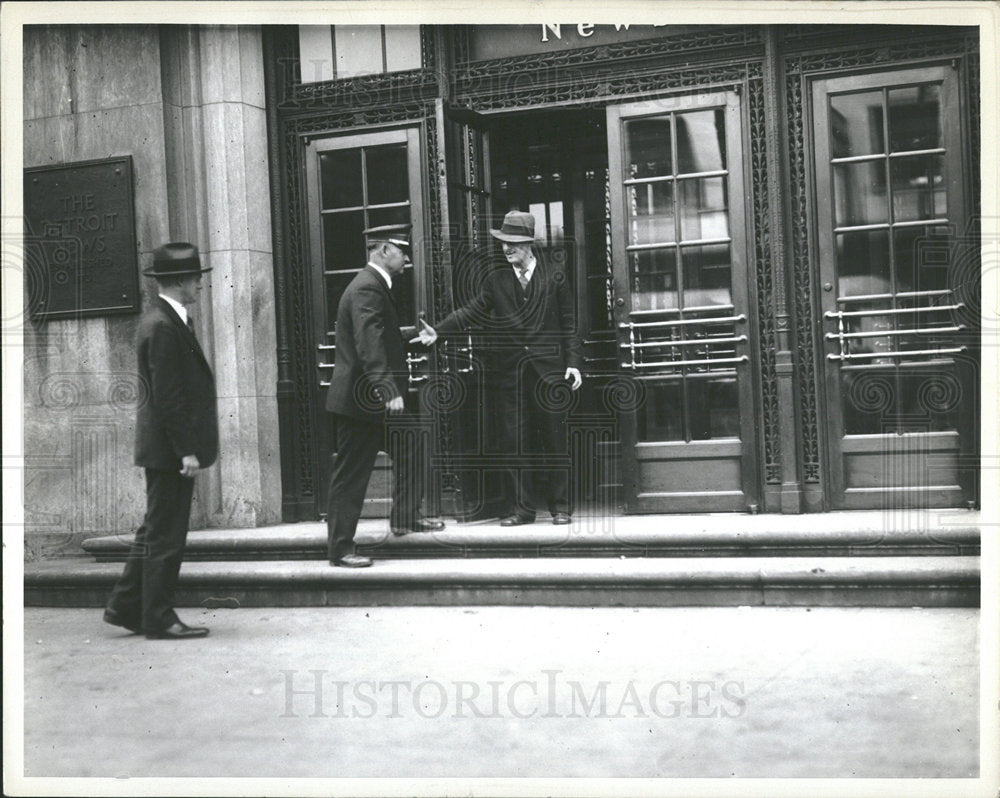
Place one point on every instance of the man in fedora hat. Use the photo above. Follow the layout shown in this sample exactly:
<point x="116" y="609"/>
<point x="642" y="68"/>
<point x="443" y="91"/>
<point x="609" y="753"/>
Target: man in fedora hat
<point x="367" y="396"/>
<point x="176" y="437"/>
<point x="528" y="309"/>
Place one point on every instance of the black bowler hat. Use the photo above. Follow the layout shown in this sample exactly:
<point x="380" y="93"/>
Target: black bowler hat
<point x="398" y="234"/>
<point x="175" y="259"/>
<point x="518" y="228"/>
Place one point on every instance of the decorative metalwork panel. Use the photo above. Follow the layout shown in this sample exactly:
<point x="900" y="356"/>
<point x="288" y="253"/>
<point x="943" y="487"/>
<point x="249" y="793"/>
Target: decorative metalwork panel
<point x="300" y="344"/>
<point x="375" y="90"/>
<point x="768" y="340"/>
<point x="549" y="88"/>
<point x="802" y="275"/>
<point x="972" y="65"/>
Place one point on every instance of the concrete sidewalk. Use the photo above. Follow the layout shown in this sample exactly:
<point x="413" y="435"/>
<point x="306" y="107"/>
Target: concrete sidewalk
<point x="508" y="692"/>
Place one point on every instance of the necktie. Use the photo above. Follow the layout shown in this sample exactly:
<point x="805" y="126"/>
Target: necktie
<point x="522" y="278"/>
<point x="190" y="324"/>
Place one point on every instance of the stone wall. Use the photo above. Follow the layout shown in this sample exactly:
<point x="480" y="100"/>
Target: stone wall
<point x="187" y="104"/>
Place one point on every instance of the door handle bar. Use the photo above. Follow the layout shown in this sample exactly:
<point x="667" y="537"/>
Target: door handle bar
<point x="883" y="333"/>
<point x="636" y="325"/>
<point x="675" y="363"/>
<point x="909" y="353"/>
<point x="843" y="314"/>
<point x="738" y="339"/>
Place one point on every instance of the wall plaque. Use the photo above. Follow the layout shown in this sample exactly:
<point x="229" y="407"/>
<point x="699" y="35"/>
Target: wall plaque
<point x="79" y="248"/>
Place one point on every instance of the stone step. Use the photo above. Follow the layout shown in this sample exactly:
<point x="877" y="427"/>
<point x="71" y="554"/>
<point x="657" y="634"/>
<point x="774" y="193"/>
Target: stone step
<point x="623" y="581"/>
<point x="722" y="535"/>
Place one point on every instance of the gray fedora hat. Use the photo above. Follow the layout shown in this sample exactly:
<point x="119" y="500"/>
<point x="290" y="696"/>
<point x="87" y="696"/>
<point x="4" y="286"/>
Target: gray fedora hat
<point x="175" y="259"/>
<point x="518" y="228"/>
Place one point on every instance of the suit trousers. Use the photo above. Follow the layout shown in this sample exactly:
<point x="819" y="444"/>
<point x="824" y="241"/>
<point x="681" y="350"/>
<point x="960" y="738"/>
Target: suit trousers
<point x="532" y="430"/>
<point x="144" y="595"/>
<point x="358" y="444"/>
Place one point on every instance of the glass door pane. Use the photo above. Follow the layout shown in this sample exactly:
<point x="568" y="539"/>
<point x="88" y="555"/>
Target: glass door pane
<point x="889" y="200"/>
<point x="891" y="314"/>
<point x="679" y="256"/>
<point x="680" y="272"/>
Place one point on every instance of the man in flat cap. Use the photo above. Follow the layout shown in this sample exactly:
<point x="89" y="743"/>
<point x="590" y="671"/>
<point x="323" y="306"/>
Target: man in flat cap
<point x="528" y="310"/>
<point x="367" y="396"/>
<point x="176" y="437"/>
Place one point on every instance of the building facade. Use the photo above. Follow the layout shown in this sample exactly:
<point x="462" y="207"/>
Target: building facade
<point x="770" y="231"/>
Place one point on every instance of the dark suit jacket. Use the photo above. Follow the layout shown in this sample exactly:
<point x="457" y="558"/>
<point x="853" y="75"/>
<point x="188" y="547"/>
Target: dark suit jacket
<point x="537" y="325"/>
<point x="370" y="359"/>
<point x="179" y="415"/>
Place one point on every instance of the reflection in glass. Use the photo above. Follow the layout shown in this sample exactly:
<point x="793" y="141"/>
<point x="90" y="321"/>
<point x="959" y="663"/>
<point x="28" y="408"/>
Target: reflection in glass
<point x="868" y="397"/>
<point x="701" y="141"/>
<point x="918" y="190"/>
<point x="859" y="193"/>
<point x="343" y="243"/>
<point x="713" y="409"/>
<point x="707" y="275"/>
<point x="704" y="213"/>
<point x="932" y="394"/>
<point x="385" y="169"/>
<point x="919" y="265"/>
<point x="914" y="398"/>
<point x="876" y="331"/>
<point x="340" y="176"/>
<point x="915" y="118"/>
<point x="856" y="124"/>
<point x="648" y="147"/>
<point x="380" y="216"/>
<point x="651" y="213"/>
<point x="653" y="277"/>
<point x="335" y="285"/>
<point x="661" y="418"/>
<point x="863" y="262"/>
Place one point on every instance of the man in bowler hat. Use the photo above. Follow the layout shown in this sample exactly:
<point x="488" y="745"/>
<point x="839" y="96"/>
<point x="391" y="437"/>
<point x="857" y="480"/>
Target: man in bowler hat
<point x="528" y="310"/>
<point x="176" y="437"/>
<point x="367" y="396"/>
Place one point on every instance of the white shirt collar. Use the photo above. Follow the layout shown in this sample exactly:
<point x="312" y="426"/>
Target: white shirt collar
<point x="181" y="310"/>
<point x="528" y="271"/>
<point x="383" y="272"/>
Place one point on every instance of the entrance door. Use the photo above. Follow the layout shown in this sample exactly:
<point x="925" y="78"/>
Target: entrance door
<point x="680" y="286"/>
<point x="467" y="219"/>
<point x="900" y="379"/>
<point x="356" y="182"/>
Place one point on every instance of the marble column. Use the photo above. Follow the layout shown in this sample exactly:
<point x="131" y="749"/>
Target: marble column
<point x="218" y="198"/>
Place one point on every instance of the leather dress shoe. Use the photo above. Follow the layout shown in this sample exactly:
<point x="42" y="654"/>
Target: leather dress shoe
<point x="352" y="561"/>
<point x="115" y="618"/>
<point x="517" y="520"/>
<point x="560" y="518"/>
<point x="178" y="631"/>
<point x="420" y="525"/>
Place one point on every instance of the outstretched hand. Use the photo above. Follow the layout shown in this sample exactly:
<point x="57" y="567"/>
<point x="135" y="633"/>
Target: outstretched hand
<point x="574" y="374"/>
<point x="395" y="406"/>
<point x="427" y="335"/>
